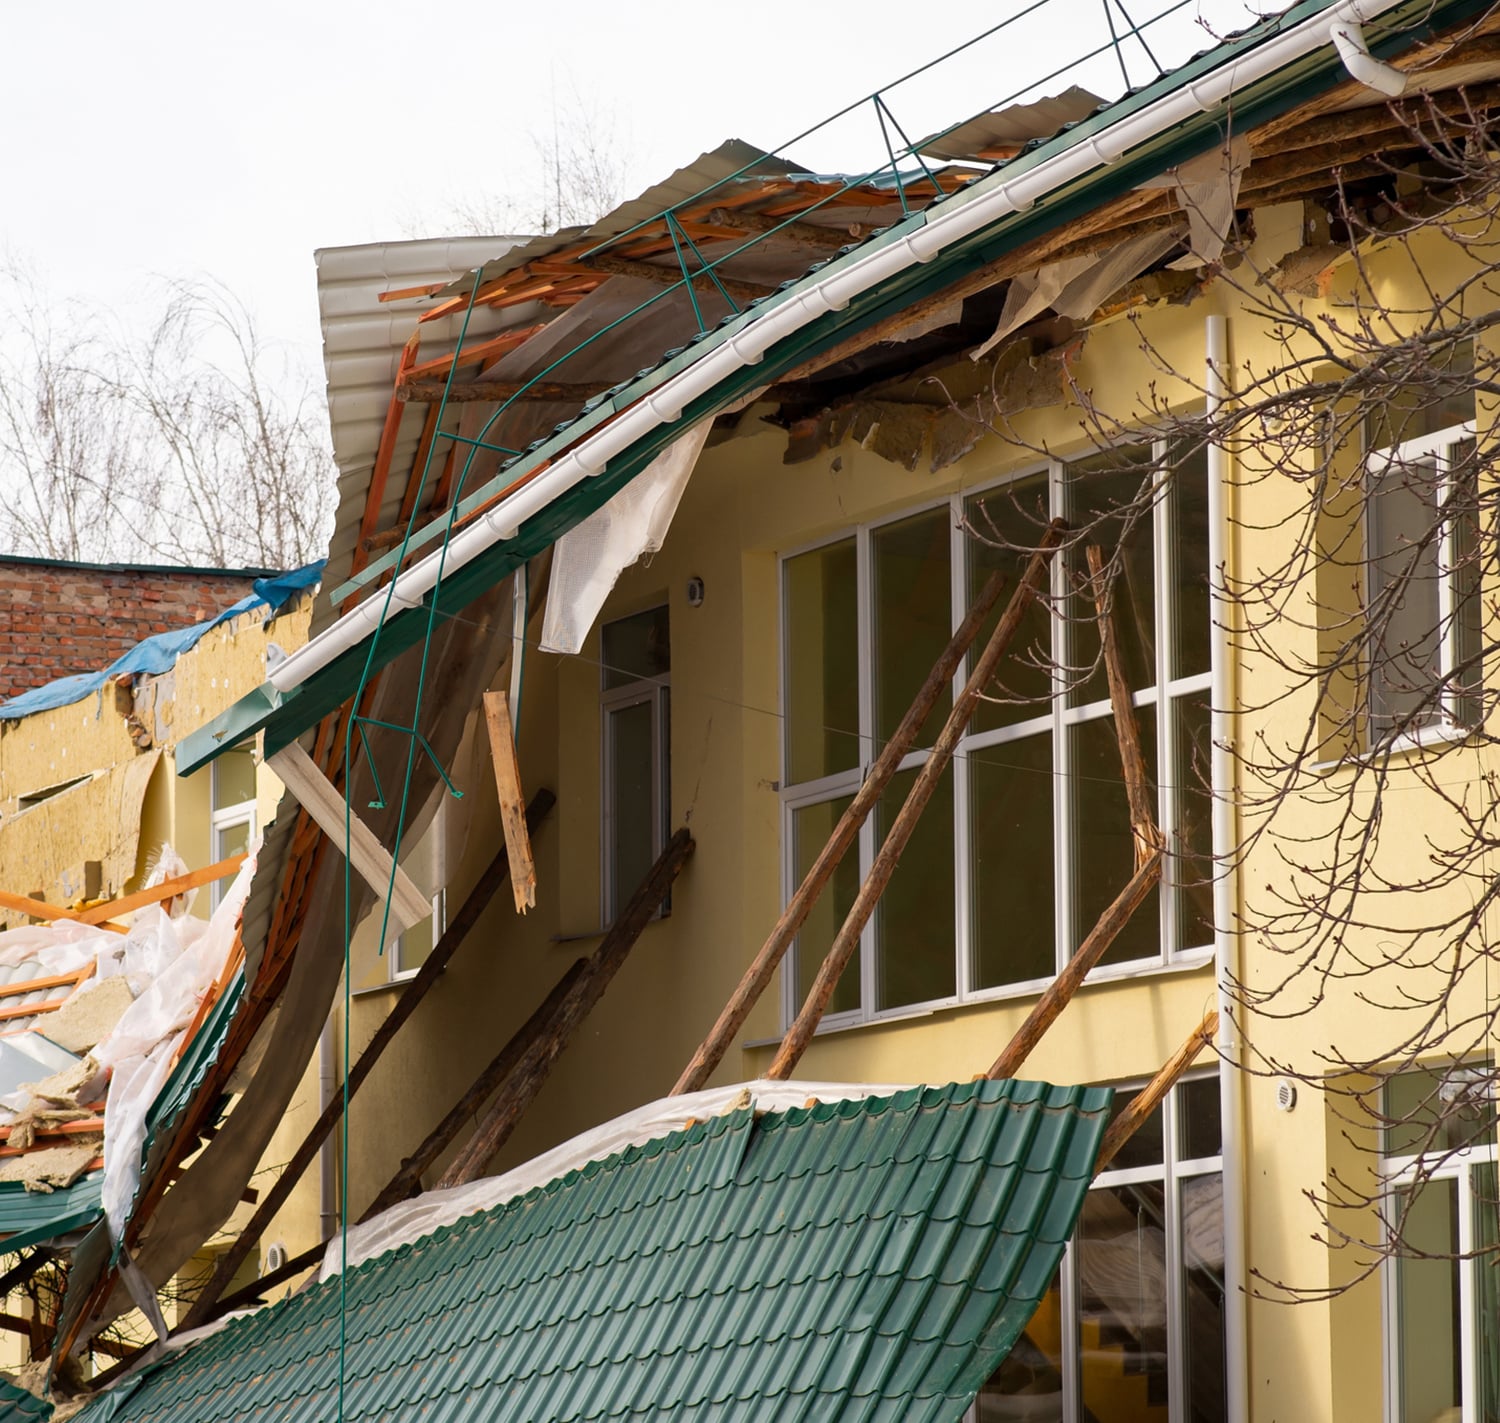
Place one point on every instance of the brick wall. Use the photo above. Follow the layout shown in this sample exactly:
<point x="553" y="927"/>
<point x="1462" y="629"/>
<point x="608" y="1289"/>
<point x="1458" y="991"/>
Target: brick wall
<point x="60" y="618"/>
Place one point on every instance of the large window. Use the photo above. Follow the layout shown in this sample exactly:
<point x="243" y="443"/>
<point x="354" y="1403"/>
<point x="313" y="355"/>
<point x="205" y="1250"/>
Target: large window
<point x="635" y="707"/>
<point x="1133" y="1326"/>
<point x="1028" y="838"/>
<point x="1442" y="1293"/>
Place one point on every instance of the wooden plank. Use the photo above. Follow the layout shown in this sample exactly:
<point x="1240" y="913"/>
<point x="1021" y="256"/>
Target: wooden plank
<point x="433" y="967"/>
<point x="477" y="354"/>
<point x="463" y="392"/>
<point x="167" y="889"/>
<point x="762" y="969"/>
<point x="1149" y="1097"/>
<point x="512" y="803"/>
<point x="611" y="266"/>
<point x="384" y="453"/>
<point x="1062" y="988"/>
<point x="807" y="233"/>
<point x="531" y="1071"/>
<point x="316" y="795"/>
<point x="1143" y="832"/>
<point x="800" y="1034"/>
<point x="56" y="980"/>
<point x="40" y="909"/>
<point x="408" y="1178"/>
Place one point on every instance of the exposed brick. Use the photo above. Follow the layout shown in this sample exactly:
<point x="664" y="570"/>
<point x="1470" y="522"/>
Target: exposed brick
<point x="104" y="609"/>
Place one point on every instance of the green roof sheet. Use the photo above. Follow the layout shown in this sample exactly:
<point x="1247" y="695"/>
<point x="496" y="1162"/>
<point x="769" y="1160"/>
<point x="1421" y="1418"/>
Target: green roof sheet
<point x="29" y="1217"/>
<point x="872" y="1259"/>
<point x="19" y="1406"/>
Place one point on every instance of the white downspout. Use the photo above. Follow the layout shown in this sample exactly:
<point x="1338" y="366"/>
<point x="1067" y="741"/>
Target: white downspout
<point x="328" y="1195"/>
<point x="1231" y="1109"/>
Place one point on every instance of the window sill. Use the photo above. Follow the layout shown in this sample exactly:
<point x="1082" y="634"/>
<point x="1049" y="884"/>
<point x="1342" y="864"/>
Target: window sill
<point x="1399" y="748"/>
<point x="1189" y="962"/>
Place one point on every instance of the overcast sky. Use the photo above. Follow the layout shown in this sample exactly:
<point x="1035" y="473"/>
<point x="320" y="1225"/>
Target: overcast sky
<point x="188" y="140"/>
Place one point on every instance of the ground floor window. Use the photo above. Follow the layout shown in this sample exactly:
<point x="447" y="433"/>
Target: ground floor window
<point x="1133" y="1327"/>
<point x="1442" y="1290"/>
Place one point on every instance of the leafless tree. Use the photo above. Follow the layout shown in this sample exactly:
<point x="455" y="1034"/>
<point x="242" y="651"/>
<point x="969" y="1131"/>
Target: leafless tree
<point x="195" y="444"/>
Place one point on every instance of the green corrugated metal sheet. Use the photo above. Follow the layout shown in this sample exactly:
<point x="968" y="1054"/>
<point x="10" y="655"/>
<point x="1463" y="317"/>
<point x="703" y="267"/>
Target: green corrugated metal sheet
<point x="27" y="1217"/>
<point x="863" y="1260"/>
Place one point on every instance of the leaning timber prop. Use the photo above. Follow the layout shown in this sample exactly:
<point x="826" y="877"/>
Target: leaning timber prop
<point x="758" y="976"/>
<point x="799" y="1035"/>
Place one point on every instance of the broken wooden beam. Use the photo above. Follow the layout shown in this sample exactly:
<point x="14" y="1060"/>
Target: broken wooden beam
<point x="408" y="1178"/>
<point x="762" y="969"/>
<point x="611" y="266"/>
<point x="39" y="909"/>
<point x="531" y="1071"/>
<point x="459" y="927"/>
<point x="1146" y="837"/>
<point x="1061" y="990"/>
<point x="167" y="889"/>
<point x="794" y="229"/>
<point x="1149" y="1098"/>
<point x="316" y="795"/>
<point x="800" y="1034"/>
<point x="502" y="734"/>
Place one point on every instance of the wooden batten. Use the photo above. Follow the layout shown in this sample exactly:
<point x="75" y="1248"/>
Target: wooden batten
<point x="502" y="735"/>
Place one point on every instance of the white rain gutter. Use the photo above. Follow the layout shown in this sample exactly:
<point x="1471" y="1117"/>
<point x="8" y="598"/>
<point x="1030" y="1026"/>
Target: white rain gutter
<point x="1226" y="968"/>
<point x="950" y="222"/>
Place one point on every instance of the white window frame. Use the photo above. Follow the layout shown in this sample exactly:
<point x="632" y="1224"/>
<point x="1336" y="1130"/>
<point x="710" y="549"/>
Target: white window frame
<point x="655" y="691"/>
<point x="1438" y="448"/>
<point x="1455" y="1164"/>
<point x="221" y="820"/>
<point x="1056" y="719"/>
<point x="1175" y="1168"/>
<point x="395" y="971"/>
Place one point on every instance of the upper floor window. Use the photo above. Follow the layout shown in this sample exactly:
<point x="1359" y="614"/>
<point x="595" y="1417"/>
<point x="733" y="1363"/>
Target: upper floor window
<point x="1028" y="839"/>
<point x="635" y="709"/>
<point x="1442" y="1293"/>
<point x="231" y="812"/>
<point x="1133" y="1325"/>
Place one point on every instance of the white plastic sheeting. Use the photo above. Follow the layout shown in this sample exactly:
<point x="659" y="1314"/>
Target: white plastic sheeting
<point x="591" y="556"/>
<point x="411" y="1220"/>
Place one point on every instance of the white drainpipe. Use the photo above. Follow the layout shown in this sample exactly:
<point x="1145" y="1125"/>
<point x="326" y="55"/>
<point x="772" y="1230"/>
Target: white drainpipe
<point x="1231" y="1097"/>
<point x="948" y="222"/>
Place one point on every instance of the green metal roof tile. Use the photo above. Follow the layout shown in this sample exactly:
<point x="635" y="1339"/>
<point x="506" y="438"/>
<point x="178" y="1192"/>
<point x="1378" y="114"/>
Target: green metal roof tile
<point x="30" y="1217"/>
<point x="17" y="1405"/>
<point x="867" y="1259"/>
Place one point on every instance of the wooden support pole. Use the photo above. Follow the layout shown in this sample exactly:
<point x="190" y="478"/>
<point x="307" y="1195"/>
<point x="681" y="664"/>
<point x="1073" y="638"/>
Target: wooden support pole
<point x="531" y="1071"/>
<point x="1143" y="832"/>
<point x="408" y="1178"/>
<point x="799" y="1035"/>
<point x="317" y="796"/>
<point x="1062" y="988"/>
<point x="466" y="391"/>
<point x="1149" y="1097"/>
<point x="512" y="803"/>
<point x="495" y="874"/>
<point x="758" y="976"/>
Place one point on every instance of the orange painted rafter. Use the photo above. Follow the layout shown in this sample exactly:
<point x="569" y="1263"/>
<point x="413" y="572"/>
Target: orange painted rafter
<point x="40" y="909"/>
<point x="167" y="889"/>
<point x="407" y="293"/>
<point x="493" y="349"/>
<point x="384" y="453"/>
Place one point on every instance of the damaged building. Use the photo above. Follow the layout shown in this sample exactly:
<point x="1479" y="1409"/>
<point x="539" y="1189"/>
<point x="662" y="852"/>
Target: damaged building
<point x="748" y="683"/>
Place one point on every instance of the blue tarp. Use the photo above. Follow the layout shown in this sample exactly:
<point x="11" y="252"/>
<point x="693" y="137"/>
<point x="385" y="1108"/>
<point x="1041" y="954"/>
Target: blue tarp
<point x="159" y="653"/>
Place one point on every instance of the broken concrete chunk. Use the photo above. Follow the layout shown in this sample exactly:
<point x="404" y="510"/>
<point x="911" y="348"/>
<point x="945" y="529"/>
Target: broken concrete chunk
<point x="86" y="1019"/>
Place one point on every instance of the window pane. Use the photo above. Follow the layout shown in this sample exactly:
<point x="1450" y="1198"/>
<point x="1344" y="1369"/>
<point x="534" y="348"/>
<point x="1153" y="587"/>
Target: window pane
<point x="1010" y="815"/>
<point x="1487" y="1289"/>
<point x="231" y="840"/>
<point x="1405" y="569"/>
<point x="1462" y="511"/>
<point x="914" y="950"/>
<point x="913" y="616"/>
<point x="1193" y="868"/>
<point x="414" y="946"/>
<point x="1105" y="856"/>
<point x="1029" y="1382"/>
<point x="1144" y="1146"/>
<point x="1427" y="407"/>
<point x="629" y="816"/>
<point x="811" y="827"/>
<point x="1105" y="498"/>
<point x="233" y="779"/>
<point x="1439" y="1110"/>
<point x="1427" y="1310"/>
<point x="1189" y="544"/>
<point x="1015" y="515"/>
<point x="822" y="663"/>
<point x="1122" y="1295"/>
<point x="1202" y="1209"/>
<point x="636" y="648"/>
<point x="1198" y="1118"/>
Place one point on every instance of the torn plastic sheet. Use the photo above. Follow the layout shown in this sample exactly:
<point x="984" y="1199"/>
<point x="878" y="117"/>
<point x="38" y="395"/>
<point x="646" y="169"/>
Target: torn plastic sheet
<point x="1208" y="187"/>
<point x="591" y="556"/>
<point x="411" y="1220"/>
